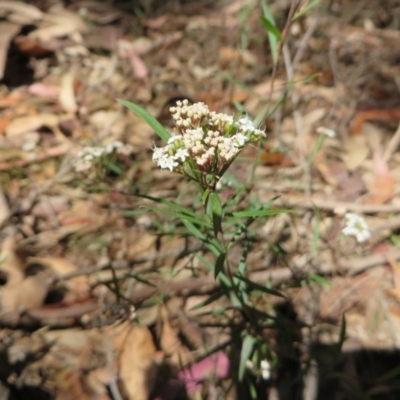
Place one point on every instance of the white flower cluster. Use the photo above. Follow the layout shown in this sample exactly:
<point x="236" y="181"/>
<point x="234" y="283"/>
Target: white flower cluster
<point x="264" y="371"/>
<point x="208" y="138"/>
<point x="86" y="157"/>
<point x="356" y="226"/>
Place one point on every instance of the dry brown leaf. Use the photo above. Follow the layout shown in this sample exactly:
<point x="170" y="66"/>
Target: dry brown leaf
<point x="10" y="263"/>
<point x="395" y="291"/>
<point x="50" y="206"/>
<point x="78" y="287"/>
<point x="26" y="294"/>
<point x="357" y="152"/>
<point x="31" y="123"/>
<point x="66" y="97"/>
<point x="376" y="114"/>
<point x="58" y="23"/>
<point x="25" y="11"/>
<point x="31" y="47"/>
<point x="308" y="120"/>
<point x="4" y="209"/>
<point x="139" y="67"/>
<point x="170" y="342"/>
<point x="7" y="31"/>
<point x="136" y="354"/>
<point x="69" y="385"/>
<point x="44" y="90"/>
<point x="383" y="186"/>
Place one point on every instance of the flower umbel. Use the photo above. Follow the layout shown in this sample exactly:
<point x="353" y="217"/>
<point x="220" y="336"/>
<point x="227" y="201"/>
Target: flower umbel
<point x="88" y="155"/>
<point x="356" y="226"/>
<point x="205" y="142"/>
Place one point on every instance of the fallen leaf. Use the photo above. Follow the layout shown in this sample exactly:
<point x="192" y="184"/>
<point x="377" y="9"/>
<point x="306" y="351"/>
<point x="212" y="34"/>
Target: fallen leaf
<point x="376" y="114"/>
<point x="78" y="287"/>
<point x="66" y="96"/>
<point x="10" y="263"/>
<point x="7" y="31"/>
<point x="170" y="342"/>
<point x="138" y="66"/>
<point x="4" y="209"/>
<point x="383" y="185"/>
<point x="26" y="294"/>
<point x="26" y="11"/>
<point x="31" y="123"/>
<point x="136" y="354"/>
<point x="356" y="152"/>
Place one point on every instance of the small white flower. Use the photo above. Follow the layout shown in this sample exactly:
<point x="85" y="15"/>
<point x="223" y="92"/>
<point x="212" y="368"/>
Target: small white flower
<point x="265" y="370"/>
<point x="158" y="152"/>
<point x="356" y="226"/>
<point x="181" y="154"/>
<point x="239" y="140"/>
<point x="113" y="146"/>
<point x="244" y="124"/>
<point x="167" y="162"/>
<point x="96" y="151"/>
<point x="326" y="131"/>
<point x="89" y="152"/>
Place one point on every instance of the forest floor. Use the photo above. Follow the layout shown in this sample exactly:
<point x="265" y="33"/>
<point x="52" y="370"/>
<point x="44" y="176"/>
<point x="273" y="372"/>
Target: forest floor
<point x="98" y="290"/>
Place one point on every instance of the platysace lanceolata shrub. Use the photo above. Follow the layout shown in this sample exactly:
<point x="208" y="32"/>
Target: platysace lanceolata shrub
<point x="205" y="143"/>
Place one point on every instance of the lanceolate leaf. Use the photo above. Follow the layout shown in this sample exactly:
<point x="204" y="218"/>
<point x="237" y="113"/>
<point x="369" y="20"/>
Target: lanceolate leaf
<point x="215" y="212"/>
<point x="147" y="117"/>
<point x="247" y="349"/>
<point x="270" y="27"/>
<point x="259" y="287"/>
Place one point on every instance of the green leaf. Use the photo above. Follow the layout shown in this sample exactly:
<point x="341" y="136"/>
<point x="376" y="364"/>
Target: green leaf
<point x="133" y="213"/>
<point x="319" y="279"/>
<point x="270" y="27"/>
<point x="193" y="230"/>
<point x="215" y="212"/>
<point x="209" y="300"/>
<point x="147" y="117"/>
<point x="272" y="38"/>
<point x="259" y="287"/>
<point x="247" y="349"/>
<point x="259" y="213"/>
<point x="222" y="277"/>
<point x="305" y="9"/>
<point x="114" y="168"/>
<point x="182" y="217"/>
<point x="219" y="264"/>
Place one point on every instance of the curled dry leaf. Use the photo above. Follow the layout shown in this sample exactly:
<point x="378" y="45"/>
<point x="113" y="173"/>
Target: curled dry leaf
<point x="383" y="186"/>
<point x="21" y="9"/>
<point x="170" y="342"/>
<point x="31" y="123"/>
<point x="7" y="31"/>
<point x="58" y="24"/>
<point x="4" y="209"/>
<point x="66" y="96"/>
<point x="10" y="263"/>
<point x="136" y="359"/>
<point x="357" y="152"/>
<point x="78" y="287"/>
<point x="26" y="294"/>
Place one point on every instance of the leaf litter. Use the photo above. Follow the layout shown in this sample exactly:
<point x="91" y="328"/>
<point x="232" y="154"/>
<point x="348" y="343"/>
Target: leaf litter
<point x="80" y="258"/>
